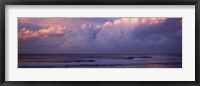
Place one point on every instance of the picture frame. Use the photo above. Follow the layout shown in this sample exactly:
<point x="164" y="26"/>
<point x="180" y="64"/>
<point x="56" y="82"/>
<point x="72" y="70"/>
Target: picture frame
<point x="98" y="2"/>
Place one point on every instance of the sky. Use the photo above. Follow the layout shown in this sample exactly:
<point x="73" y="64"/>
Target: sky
<point x="105" y="35"/>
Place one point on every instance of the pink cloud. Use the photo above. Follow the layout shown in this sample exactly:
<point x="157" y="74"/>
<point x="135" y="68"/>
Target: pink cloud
<point x="131" y="23"/>
<point x="49" y="22"/>
<point x="121" y="28"/>
<point x="26" y="33"/>
<point x="23" y="20"/>
<point x="52" y="31"/>
<point x="107" y="33"/>
<point x="116" y="26"/>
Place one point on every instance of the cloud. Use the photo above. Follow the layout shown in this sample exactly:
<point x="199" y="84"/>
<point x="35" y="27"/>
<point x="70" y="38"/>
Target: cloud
<point x="25" y="34"/>
<point x="128" y="35"/>
<point x="52" y="31"/>
<point x="122" y="35"/>
<point x="60" y="21"/>
<point x="23" y="20"/>
<point x="121" y="31"/>
<point x="131" y="23"/>
<point x="82" y="37"/>
<point x="119" y="34"/>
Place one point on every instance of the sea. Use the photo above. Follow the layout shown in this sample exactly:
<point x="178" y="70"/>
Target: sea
<point x="99" y="61"/>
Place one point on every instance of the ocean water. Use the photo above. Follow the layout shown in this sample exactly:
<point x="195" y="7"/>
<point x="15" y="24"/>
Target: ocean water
<point x="98" y="61"/>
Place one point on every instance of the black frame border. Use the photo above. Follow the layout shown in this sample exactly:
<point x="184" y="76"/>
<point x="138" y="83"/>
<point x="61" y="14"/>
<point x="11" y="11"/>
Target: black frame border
<point x="3" y="3"/>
